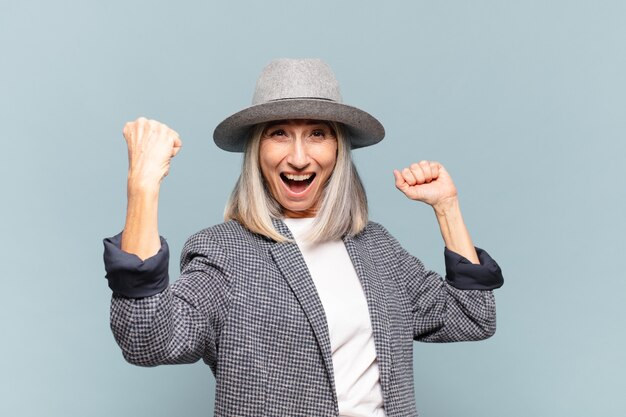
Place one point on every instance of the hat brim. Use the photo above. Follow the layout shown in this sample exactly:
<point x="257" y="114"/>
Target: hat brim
<point x="363" y="129"/>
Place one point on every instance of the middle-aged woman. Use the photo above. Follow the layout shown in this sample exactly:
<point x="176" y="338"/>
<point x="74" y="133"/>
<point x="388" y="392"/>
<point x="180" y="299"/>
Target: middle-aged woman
<point x="298" y="303"/>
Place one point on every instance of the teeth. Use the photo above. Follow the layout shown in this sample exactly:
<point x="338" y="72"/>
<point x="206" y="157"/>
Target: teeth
<point x="298" y="177"/>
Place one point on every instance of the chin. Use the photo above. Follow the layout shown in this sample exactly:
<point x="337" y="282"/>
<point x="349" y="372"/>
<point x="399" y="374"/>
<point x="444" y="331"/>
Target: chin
<point x="299" y="210"/>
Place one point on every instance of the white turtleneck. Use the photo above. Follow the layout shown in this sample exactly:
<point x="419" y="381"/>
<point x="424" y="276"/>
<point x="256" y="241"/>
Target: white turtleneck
<point x="352" y="344"/>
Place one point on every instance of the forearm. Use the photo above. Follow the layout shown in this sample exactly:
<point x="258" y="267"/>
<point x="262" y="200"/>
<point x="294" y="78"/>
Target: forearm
<point x="151" y="146"/>
<point x="453" y="229"/>
<point x="141" y="232"/>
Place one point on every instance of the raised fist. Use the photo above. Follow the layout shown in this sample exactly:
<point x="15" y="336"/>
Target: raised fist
<point x="426" y="181"/>
<point x="151" y="147"/>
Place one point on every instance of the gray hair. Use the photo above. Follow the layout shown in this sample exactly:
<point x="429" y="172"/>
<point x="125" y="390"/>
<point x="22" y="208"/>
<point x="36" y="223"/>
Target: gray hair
<point x="343" y="209"/>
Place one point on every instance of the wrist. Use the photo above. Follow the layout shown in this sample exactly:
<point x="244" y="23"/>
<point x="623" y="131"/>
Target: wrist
<point x="453" y="229"/>
<point x="138" y="185"/>
<point x="447" y="207"/>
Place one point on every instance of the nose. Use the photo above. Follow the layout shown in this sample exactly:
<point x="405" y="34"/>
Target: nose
<point x="298" y="156"/>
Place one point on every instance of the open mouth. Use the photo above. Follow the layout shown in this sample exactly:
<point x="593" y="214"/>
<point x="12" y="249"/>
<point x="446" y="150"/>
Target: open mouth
<point x="297" y="183"/>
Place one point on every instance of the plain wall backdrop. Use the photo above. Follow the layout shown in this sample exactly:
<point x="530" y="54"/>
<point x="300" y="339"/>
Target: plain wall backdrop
<point x="523" y="101"/>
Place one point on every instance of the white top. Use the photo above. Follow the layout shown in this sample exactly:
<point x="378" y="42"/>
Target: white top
<point x="352" y="343"/>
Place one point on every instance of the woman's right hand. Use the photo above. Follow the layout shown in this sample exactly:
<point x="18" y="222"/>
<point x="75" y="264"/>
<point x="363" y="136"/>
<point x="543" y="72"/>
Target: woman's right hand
<point x="151" y="147"/>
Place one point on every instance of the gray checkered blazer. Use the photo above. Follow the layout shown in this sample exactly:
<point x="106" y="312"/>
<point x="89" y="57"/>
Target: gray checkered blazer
<point x="248" y="307"/>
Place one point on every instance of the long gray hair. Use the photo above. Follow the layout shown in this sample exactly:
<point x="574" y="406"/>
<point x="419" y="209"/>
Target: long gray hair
<point x="343" y="209"/>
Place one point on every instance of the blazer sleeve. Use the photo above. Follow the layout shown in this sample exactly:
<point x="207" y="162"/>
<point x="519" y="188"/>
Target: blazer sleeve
<point x="460" y="307"/>
<point x="156" y="323"/>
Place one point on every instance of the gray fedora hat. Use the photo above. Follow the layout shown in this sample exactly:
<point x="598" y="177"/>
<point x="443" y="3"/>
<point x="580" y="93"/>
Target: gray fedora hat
<point x="297" y="89"/>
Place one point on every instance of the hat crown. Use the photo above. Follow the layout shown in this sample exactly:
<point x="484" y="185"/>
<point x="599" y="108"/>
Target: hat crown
<point x="284" y="79"/>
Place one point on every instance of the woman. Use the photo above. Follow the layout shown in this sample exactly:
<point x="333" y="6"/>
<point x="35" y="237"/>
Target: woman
<point x="299" y="304"/>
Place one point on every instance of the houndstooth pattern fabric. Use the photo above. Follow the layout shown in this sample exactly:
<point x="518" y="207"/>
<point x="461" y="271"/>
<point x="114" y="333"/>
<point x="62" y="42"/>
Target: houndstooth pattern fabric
<point x="248" y="307"/>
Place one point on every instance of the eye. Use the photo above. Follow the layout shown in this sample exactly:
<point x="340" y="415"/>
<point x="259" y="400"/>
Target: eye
<point x="276" y="132"/>
<point x="318" y="133"/>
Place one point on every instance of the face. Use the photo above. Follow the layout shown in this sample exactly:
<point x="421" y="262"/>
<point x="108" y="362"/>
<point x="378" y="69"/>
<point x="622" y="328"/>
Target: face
<point x="297" y="158"/>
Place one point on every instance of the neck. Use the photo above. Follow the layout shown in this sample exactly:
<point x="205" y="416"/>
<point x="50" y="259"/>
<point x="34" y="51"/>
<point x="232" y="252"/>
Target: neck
<point x="299" y="214"/>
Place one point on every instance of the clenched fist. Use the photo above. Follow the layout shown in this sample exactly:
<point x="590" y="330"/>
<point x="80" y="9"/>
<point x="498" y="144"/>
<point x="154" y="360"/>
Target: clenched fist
<point x="151" y="147"/>
<point x="426" y="181"/>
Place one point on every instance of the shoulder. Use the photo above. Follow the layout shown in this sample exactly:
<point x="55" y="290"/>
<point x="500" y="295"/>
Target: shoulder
<point x="230" y="231"/>
<point x="375" y="231"/>
<point x="222" y="229"/>
<point x="378" y="239"/>
<point x="375" y="238"/>
<point x="229" y="239"/>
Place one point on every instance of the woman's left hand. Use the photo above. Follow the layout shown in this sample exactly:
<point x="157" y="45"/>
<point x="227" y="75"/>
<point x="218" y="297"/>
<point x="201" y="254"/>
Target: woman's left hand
<point x="430" y="183"/>
<point x="426" y="181"/>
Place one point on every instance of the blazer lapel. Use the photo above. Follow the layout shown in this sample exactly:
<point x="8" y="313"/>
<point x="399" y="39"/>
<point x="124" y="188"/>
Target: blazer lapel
<point x="289" y="260"/>
<point x="374" y="288"/>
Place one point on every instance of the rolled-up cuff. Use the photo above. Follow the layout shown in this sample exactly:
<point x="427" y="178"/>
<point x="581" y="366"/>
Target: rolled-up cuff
<point x="131" y="277"/>
<point x="464" y="275"/>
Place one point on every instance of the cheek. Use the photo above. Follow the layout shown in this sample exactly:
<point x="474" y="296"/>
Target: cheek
<point x="327" y="158"/>
<point x="267" y="160"/>
<point x="270" y="178"/>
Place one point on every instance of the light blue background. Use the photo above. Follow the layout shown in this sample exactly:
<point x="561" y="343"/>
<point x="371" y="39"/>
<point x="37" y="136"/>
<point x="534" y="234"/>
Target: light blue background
<point x="523" y="101"/>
